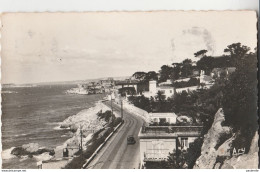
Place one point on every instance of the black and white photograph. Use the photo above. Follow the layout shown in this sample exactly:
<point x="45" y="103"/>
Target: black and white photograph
<point x="129" y="90"/>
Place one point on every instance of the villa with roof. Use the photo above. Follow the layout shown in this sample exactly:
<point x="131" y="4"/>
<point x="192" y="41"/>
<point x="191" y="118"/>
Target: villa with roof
<point x="166" y="90"/>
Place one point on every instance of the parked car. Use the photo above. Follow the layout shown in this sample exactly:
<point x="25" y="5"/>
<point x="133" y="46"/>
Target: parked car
<point x="130" y="140"/>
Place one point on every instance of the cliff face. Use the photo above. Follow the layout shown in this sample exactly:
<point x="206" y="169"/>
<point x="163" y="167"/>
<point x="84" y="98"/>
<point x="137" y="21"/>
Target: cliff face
<point x="249" y="160"/>
<point x="211" y="139"/>
<point x="216" y="148"/>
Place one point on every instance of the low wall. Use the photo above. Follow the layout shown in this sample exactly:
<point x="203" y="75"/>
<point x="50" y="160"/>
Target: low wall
<point x="88" y="161"/>
<point x="137" y="111"/>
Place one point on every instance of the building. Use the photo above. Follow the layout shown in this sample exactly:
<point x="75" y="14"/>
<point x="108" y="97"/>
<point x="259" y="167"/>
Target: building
<point x="109" y="82"/>
<point x="195" y="72"/>
<point x="156" y="142"/>
<point x="126" y="83"/>
<point x="217" y="72"/>
<point x="170" y="118"/>
<point x="187" y="89"/>
<point x="166" y="83"/>
<point x="167" y="91"/>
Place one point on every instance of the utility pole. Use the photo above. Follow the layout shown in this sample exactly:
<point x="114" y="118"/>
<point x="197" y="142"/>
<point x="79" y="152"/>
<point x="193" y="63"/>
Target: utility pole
<point x="121" y="109"/>
<point x="81" y="135"/>
<point x="177" y="153"/>
<point x="111" y="104"/>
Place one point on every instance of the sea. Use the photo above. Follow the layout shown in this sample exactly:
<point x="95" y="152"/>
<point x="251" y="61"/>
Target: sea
<point x="33" y="115"/>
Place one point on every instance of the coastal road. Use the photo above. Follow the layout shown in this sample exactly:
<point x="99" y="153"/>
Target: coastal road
<point x="116" y="154"/>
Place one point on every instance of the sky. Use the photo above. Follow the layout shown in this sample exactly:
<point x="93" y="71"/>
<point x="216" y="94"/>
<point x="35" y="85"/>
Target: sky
<point x="47" y="47"/>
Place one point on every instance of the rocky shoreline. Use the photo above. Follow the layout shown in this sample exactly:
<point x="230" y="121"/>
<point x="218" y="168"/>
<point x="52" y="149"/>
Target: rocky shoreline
<point x="30" y="150"/>
<point x="86" y="121"/>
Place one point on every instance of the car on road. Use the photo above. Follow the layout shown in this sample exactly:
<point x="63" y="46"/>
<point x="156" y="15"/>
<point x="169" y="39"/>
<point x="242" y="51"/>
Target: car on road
<point x="131" y="140"/>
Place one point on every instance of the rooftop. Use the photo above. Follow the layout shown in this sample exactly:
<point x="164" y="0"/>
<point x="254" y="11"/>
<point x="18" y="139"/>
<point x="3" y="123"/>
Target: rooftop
<point x="169" y="114"/>
<point x="165" y="87"/>
<point x="128" y="82"/>
<point x="166" y="132"/>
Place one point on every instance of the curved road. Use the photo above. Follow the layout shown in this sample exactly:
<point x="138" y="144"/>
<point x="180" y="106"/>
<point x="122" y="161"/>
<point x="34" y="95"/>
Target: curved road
<point x="116" y="154"/>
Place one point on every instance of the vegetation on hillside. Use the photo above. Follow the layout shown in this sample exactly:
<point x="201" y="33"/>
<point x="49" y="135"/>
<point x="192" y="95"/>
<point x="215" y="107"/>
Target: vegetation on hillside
<point x="97" y="139"/>
<point x="235" y="93"/>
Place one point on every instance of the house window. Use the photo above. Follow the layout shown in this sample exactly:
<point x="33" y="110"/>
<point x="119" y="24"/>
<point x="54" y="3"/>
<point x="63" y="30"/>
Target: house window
<point x="170" y="91"/>
<point x="184" y="142"/>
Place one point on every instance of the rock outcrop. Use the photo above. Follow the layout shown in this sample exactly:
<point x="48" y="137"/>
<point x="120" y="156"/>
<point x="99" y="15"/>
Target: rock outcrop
<point x="30" y="150"/>
<point x="249" y="160"/>
<point x="209" y="152"/>
<point x="216" y="148"/>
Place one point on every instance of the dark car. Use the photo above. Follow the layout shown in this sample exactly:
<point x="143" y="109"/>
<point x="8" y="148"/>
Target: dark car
<point x="131" y="140"/>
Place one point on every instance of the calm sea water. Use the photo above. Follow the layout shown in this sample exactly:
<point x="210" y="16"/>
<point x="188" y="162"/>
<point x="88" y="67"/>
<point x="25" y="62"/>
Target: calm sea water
<point x="30" y="115"/>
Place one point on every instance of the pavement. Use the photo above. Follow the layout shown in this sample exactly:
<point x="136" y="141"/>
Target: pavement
<point x="116" y="154"/>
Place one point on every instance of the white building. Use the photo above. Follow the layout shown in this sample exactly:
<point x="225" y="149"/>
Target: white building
<point x="187" y="89"/>
<point x="163" y="117"/>
<point x="156" y="142"/>
<point x="168" y="91"/>
<point x="123" y="84"/>
<point x="167" y="82"/>
<point x="204" y="79"/>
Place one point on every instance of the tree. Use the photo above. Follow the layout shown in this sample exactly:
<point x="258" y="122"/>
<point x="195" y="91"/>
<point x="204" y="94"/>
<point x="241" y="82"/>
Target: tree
<point x="175" y="71"/>
<point x="160" y="101"/>
<point x="165" y="73"/>
<point x="206" y="63"/>
<point x="177" y="159"/>
<point x="139" y="75"/>
<point x="200" y="53"/>
<point x="236" y="51"/>
<point x="240" y="97"/>
<point x="152" y="75"/>
<point x="127" y="90"/>
<point x="186" y="69"/>
<point x="193" y="152"/>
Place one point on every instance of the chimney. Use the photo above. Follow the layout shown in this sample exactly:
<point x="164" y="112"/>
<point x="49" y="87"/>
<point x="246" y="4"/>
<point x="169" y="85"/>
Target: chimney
<point x="152" y="87"/>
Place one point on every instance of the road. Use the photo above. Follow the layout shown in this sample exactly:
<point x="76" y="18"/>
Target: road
<point x="116" y="154"/>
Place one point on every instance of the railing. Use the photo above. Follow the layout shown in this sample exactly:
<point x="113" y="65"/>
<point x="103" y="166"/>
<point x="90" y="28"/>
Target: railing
<point x="88" y="161"/>
<point x="172" y="129"/>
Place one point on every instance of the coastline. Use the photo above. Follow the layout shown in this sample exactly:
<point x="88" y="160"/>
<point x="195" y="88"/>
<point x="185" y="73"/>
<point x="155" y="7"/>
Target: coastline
<point x="9" y="160"/>
<point x="87" y="121"/>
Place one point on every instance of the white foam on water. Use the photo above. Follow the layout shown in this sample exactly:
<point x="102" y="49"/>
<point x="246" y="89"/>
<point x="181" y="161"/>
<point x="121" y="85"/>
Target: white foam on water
<point x="23" y="158"/>
<point x="17" y="135"/>
<point x="6" y="154"/>
<point x="43" y="157"/>
<point x="58" y="128"/>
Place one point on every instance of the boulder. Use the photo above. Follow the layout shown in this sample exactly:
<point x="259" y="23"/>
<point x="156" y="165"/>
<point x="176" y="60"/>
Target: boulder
<point x="30" y="150"/>
<point x="19" y="151"/>
<point x="31" y="147"/>
<point x="73" y="128"/>
<point x="44" y="150"/>
<point x="64" y="125"/>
